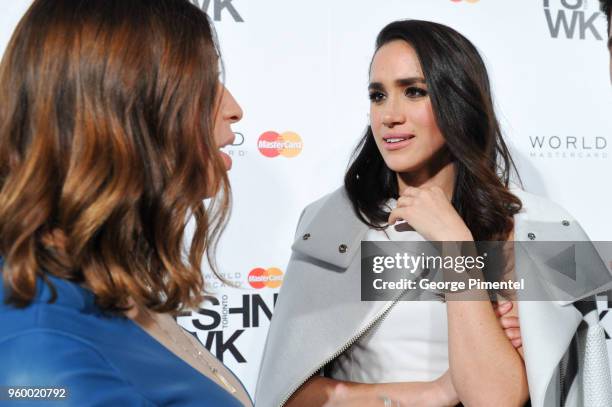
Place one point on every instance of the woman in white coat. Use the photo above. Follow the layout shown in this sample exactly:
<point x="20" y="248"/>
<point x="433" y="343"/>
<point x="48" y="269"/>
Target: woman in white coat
<point x="433" y="156"/>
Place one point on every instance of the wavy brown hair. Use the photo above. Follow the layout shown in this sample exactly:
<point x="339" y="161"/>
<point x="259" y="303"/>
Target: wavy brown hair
<point x="107" y="151"/>
<point x="458" y="85"/>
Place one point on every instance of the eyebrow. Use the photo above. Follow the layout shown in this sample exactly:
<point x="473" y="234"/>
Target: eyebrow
<point x="398" y="82"/>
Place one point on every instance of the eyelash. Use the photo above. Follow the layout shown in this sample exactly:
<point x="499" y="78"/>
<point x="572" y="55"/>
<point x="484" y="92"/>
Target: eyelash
<point x="411" y="92"/>
<point x="376" y="97"/>
<point x="420" y="92"/>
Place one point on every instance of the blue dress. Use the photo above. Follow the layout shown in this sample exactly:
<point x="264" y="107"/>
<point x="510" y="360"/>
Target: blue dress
<point x="100" y="360"/>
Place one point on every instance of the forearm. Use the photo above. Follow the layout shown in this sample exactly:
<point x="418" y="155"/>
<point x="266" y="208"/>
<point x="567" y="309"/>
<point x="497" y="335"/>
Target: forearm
<point x="319" y="390"/>
<point x="315" y="392"/>
<point x="485" y="367"/>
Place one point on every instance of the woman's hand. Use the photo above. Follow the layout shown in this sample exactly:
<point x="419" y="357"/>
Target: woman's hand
<point x="510" y="323"/>
<point x="429" y="211"/>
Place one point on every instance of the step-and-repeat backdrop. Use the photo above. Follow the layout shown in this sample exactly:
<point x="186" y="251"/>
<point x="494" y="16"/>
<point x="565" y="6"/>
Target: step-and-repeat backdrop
<point x="300" y="71"/>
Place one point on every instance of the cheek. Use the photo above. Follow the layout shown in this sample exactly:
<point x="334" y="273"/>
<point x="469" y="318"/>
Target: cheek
<point x="218" y="124"/>
<point x="217" y="130"/>
<point x="375" y="118"/>
<point x="218" y="127"/>
<point x="376" y="124"/>
<point x="425" y="124"/>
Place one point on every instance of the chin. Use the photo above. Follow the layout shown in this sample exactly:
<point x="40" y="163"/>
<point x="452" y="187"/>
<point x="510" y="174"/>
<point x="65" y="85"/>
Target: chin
<point x="402" y="166"/>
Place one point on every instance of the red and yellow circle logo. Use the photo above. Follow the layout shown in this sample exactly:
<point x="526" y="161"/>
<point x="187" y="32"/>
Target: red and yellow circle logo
<point x="272" y="144"/>
<point x="271" y="277"/>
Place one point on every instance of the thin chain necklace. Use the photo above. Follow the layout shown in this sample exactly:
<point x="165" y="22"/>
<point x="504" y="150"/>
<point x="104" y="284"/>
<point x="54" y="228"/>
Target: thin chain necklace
<point x="199" y="355"/>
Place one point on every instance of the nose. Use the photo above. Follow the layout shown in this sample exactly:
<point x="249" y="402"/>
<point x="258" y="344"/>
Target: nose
<point x="393" y="114"/>
<point x="230" y="109"/>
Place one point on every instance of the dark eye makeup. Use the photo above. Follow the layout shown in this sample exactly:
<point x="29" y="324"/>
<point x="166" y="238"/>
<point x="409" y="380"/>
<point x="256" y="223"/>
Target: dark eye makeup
<point x="376" y="96"/>
<point x="415" y="92"/>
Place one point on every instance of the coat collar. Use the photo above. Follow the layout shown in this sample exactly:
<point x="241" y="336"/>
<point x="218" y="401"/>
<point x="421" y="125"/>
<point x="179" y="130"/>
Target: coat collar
<point x="335" y="243"/>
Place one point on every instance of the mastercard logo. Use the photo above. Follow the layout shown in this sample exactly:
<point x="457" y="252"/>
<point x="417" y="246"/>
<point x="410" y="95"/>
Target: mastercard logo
<point x="271" y="277"/>
<point x="272" y="144"/>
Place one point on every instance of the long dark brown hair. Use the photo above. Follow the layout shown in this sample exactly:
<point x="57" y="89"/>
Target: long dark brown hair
<point x="107" y="151"/>
<point x="458" y="86"/>
<point x="606" y="6"/>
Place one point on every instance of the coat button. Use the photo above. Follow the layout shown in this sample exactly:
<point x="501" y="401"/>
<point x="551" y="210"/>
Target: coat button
<point x="531" y="236"/>
<point x="306" y="236"/>
<point x="565" y="223"/>
<point x="342" y="248"/>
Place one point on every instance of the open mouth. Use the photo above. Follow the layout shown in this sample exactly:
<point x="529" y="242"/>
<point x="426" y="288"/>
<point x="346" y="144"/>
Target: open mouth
<point x="397" y="139"/>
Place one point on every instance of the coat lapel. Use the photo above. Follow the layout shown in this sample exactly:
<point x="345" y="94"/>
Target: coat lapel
<point x="547" y="327"/>
<point x="334" y="235"/>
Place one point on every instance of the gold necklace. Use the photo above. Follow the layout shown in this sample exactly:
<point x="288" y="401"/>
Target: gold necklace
<point x="198" y="355"/>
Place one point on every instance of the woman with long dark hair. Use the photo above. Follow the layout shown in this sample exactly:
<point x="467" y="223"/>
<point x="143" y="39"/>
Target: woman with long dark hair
<point x="111" y="121"/>
<point x="432" y="156"/>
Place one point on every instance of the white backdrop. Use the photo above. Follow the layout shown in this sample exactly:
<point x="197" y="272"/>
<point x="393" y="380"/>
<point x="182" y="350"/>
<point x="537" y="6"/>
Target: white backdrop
<point x="301" y="67"/>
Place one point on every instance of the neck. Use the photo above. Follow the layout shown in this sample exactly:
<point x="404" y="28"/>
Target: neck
<point x="441" y="174"/>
